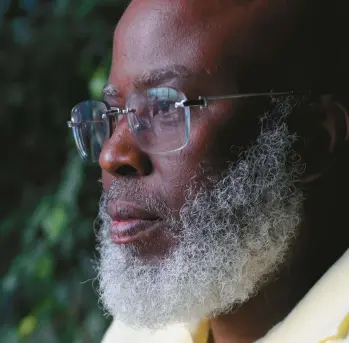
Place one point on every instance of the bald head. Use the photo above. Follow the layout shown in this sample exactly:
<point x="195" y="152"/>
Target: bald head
<point x="257" y="44"/>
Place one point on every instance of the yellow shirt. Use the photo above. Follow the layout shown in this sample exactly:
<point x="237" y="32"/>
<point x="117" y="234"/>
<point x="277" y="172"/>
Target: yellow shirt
<point x="321" y="317"/>
<point x="119" y="333"/>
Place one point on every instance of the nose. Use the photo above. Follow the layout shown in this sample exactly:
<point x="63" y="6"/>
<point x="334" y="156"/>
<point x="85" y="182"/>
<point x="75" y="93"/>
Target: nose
<point x="122" y="156"/>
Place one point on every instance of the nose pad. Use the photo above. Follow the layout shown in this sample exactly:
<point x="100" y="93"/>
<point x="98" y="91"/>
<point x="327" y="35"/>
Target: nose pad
<point x="138" y="123"/>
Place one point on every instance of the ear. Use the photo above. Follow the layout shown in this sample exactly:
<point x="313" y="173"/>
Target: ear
<point x="322" y="131"/>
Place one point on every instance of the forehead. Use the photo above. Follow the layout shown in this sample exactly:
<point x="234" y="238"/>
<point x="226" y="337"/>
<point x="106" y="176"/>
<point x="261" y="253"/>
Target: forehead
<point x="201" y="35"/>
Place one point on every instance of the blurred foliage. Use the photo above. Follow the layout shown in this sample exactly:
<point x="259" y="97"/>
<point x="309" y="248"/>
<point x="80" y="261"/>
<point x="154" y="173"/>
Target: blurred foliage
<point x="53" y="54"/>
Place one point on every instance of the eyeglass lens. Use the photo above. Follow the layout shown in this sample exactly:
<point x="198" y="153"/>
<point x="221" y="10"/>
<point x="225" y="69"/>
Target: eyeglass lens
<point x="90" y="130"/>
<point x="157" y="125"/>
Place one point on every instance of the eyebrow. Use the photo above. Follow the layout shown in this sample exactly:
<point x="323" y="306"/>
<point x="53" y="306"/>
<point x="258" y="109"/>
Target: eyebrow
<point x="161" y="75"/>
<point x="110" y="90"/>
<point x="151" y="78"/>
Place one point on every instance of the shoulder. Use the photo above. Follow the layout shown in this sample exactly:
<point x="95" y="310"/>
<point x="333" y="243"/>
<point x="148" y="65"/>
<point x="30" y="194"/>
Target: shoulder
<point x="120" y="333"/>
<point x="323" y="315"/>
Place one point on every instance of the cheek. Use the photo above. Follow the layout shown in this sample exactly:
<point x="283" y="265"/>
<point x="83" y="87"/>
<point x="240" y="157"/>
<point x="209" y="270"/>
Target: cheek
<point x="172" y="177"/>
<point x="206" y="154"/>
<point x="213" y="134"/>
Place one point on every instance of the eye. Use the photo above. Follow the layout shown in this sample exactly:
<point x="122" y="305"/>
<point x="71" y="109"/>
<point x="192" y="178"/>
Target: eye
<point x="163" y="107"/>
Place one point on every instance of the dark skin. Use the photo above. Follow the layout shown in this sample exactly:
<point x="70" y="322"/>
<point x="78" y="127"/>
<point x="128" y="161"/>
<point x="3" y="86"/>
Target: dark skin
<point x="217" y="43"/>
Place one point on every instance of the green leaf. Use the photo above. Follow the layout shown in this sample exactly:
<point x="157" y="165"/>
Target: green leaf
<point x="27" y="326"/>
<point x="71" y="182"/>
<point x="100" y="77"/>
<point x="40" y="214"/>
<point x="44" y="267"/>
<point x="98" y="81"/>
<point x="55" y="223"/>
<point x="86" y="7"/>
<point x="9" y="282"/>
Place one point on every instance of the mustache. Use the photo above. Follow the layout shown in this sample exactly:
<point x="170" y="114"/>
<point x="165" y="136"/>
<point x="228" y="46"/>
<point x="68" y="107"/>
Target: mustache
<point x="132" y="191"/>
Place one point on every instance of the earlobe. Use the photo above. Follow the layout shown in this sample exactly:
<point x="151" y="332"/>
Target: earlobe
<point x="346" y="120"/>
<point x="321" y="145"/>
<point x="337" y="125"/>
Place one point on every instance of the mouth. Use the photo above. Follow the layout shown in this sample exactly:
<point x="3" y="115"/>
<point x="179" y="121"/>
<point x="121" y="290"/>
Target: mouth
<point x="125" y="232"/>
<point x="131" y="223"/>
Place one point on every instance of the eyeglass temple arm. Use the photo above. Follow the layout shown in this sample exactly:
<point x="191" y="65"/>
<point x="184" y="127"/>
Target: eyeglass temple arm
<point x="203" y="100"/>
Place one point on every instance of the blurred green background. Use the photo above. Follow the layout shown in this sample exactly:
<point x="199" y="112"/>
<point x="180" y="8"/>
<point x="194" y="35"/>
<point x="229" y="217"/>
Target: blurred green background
<point x="53" y="54"/>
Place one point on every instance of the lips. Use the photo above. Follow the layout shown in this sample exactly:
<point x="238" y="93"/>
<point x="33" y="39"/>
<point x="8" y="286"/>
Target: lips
<point x="125" y="211"/>
<point x="130" y="223"/>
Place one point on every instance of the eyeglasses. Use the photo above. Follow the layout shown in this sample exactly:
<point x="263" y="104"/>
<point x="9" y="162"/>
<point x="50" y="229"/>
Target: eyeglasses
<point x="158" y="118"/>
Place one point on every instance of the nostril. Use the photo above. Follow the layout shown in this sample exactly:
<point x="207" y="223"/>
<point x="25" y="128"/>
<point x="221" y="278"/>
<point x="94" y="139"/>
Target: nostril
<point x="127" y="170"/>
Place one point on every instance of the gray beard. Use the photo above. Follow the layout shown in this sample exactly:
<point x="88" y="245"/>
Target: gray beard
<point x="233" y="236"/>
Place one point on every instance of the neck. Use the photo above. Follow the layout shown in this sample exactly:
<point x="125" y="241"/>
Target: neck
<point x="274" y="302"/>
<point x="247" y="324"/>
<point x="322" y="241"/>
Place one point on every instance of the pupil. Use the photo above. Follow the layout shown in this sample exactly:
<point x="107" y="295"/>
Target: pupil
<point x="163" y="105"/>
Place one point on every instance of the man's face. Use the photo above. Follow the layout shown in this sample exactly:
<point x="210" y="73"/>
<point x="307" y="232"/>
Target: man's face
<point x="192" y="233"/>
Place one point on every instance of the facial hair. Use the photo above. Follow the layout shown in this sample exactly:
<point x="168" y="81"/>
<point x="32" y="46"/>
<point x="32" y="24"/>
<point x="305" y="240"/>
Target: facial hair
<point x="233" y="236"/>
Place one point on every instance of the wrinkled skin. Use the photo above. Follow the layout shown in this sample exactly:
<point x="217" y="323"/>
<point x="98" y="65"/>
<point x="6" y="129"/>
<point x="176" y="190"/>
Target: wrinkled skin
<point x="218" y="43"/>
